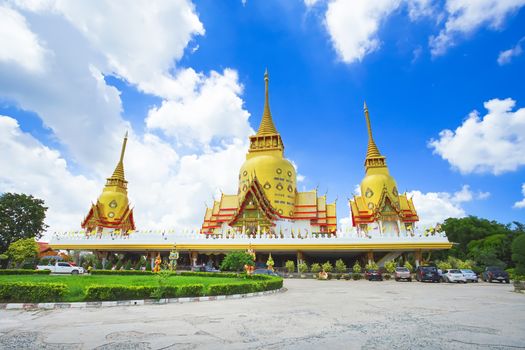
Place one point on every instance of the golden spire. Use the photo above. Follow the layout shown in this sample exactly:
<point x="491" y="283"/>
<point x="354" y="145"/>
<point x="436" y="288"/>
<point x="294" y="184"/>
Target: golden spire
<point x="267" y="127"/>
<point x="118" y="174"/>
<point x="372" y="150"/>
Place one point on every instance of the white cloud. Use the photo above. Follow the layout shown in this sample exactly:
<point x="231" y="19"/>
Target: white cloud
<point x="506" y="56"/>
<point x="521" y="204"/>
<point x="138" y="43"/>
<point x="213" y="110"/>
<point x="493" y="143"/>
<point x="310" y="3"/>
<point x="353" y="26"/>
<point x="435" y="207"/>
<point x="19" y="45"/>
<point x="32" y="168"/>
<point x="466" y="16"/>
<point x="87" y="40"/>
<point x="420" y="8"/>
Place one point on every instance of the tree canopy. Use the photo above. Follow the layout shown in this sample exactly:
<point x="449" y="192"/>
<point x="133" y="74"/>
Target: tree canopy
<point x="235" y="261"/>
<point x="22" y="250"/>
<point x="21" y="216"/>
<point x="518" y="254"/>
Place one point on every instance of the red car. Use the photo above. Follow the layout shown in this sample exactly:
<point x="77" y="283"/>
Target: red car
<point x="373" y="275"/>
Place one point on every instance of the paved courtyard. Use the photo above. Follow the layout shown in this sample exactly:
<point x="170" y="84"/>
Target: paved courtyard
<point x="311" y="314"/>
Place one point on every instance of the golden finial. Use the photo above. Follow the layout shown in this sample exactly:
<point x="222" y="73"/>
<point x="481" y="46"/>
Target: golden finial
<point x="118" y="174"/>
<point x="266" y="127"/>
<point x="372" y="150"/>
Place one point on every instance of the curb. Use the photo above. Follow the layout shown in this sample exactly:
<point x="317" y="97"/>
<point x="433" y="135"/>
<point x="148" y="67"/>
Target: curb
<point x="102" y="304"/>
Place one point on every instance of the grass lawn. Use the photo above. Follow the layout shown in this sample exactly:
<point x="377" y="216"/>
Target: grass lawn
<point x="77" y="284"/>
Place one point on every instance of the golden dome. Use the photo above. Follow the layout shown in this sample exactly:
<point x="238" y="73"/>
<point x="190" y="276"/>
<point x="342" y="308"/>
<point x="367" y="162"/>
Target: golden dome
<point x="278" y="178"/>
<point x="372" y="188"/>
<point x="112" y="204"/>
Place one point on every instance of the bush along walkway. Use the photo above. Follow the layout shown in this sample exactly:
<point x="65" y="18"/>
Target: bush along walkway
<point x="162" y="301"/>
<point x="159" y="289"/>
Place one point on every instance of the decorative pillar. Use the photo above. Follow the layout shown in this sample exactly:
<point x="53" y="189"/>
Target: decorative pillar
<point x="300" y="258"/>
<point x="370" y="256"/>
<point x="418" y="257"/>
<point x="193" y="258"/>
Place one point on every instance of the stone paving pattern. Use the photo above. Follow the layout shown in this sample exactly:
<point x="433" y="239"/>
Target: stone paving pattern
<point x="310" y="315"/>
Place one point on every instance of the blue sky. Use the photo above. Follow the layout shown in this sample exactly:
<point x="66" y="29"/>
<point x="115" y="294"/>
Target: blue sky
<point x="324" y="57"/>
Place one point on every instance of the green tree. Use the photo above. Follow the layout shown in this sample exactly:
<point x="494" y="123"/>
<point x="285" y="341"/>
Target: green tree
<point x="444" y="265"/>
<point x="518" y="254"/>
<point x="340" y="266"/>
<point x="235" y="261"/>
<point x="21" y="216"/>
<point x="22" y="251"/>
<point x="409" y="266"/>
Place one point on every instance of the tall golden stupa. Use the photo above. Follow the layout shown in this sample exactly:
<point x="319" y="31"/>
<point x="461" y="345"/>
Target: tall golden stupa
<point x="380" y="205"/>
<point x="112" y="208"/>
<point x="267" y="198"/>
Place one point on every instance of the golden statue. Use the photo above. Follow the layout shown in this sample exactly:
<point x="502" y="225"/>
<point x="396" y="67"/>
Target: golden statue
<point x="158" y="261"/>
<point x="250" y="268"/>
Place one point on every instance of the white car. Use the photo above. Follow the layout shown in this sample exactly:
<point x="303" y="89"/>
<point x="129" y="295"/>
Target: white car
<point x="453" y="275"/>
<point x="62" y="267"/>
<point x="469" y="275"/>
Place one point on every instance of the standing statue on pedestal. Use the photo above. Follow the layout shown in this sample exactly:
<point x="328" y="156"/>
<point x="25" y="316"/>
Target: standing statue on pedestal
<point x="250" y="268"/>
<point x="158" y="261"/>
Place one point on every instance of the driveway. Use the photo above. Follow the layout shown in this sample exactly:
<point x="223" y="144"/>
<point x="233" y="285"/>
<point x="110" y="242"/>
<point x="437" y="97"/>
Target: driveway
<point x="311" y="314"/>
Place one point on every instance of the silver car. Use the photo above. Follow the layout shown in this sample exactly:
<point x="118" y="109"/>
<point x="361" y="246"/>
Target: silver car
<point x="402" y="273"/>
<point x="469" y="275"/>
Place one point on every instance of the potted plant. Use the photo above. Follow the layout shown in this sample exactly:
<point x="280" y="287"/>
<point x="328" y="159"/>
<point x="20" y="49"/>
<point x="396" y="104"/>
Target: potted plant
<point x="327" y="267"/>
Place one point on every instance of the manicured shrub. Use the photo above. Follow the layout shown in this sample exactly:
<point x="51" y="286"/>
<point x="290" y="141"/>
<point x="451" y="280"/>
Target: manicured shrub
<point x="302" y="267"/>
<point x="190" y="290"/>
<point x="387" y="276"/>
<point x="24" y="272"/>
<point x="117" y="292"/>
<point x="371" y="266"/>
<point x="31" y="292"/>
<point x="340" y="266"/>
<point x="120" y="272"/>
<point x="290" y="266"/>
<point x="357" y="267"/>
<point x="346" y="276"/>
<point x="327" y="267"/>
<point x="210" y="274"/>
<point x="235" y="261"/>
<point x="356" y="276"/>
<point x="232" y="288"/>
<point x="315" y="268"/>
<point x="390" y="266"/>
<point x="127" y="266"/>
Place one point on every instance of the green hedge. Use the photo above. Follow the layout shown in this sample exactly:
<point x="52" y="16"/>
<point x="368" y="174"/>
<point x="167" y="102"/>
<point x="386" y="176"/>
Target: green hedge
<point x="210" y="274"/>
<point x="24" y="272"/>
<point x="121" y="272"/>
<point x="31" y="292"/>
<point x="123" y="292"/>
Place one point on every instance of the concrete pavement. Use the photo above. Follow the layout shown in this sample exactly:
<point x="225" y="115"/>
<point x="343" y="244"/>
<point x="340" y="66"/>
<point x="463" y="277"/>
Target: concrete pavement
<point x="311" y="314"/>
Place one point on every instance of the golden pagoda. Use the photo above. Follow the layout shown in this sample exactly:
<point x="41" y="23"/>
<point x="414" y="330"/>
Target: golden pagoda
<point x="380" y="205"/>
<point x="267" y="193"/>
<point x="112" y="208"/>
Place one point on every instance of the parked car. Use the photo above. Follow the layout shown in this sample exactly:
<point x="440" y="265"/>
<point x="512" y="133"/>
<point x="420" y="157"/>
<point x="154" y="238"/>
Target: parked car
<point x="427" y="273"/>
<point x="469" y="275"/>
<point x="453" y="275"/>
<point x="204" y="268"/>
<point x="495" y="273"/>
<point x="372" y="275"/>
<point x="265" y="272"/>
<point x="402" y="273"/>
<point x="62" y="267"/>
